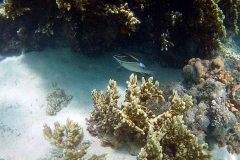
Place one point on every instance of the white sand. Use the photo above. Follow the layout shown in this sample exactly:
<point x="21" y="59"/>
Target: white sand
<point x="26" y="80"/>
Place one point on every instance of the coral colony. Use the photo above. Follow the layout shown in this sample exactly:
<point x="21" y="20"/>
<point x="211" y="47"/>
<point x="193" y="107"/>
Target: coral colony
<point x="180" y="120"/>
<point x="192" y="28"/>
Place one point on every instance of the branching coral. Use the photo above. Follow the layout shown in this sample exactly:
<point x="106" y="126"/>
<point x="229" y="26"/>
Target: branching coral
<point x="127" y="15"/>
<point x="124" y="14"/>
<point x="133" y="123"/>
<point x="152" y="149"/>
<point x="47" y="29"/>
<point x="185" y="143"/>
<point x="165" y="43"/>
<point x="76" y="154"/>
<point x="131" y="120"/>
<point x="175" y="136"/>
<point x="73" y="133"/>
<point x="13" y="9"/>
<point x="67" y="139"/>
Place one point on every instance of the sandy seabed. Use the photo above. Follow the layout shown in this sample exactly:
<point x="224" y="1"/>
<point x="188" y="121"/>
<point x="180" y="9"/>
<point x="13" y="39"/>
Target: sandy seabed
<point x="26" y="80"/>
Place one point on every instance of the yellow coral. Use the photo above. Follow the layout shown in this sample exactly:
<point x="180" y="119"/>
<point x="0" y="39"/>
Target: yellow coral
<point x="73" y="134"/>
<point x="73" y="154"/>
<point x="179" y="105"/>
<point x="131" y="123"/>
<point x="152" y="149"/>
<point x="58" y="135"/>
<point x="47" y="132"/>
<point x="165" y="43"/>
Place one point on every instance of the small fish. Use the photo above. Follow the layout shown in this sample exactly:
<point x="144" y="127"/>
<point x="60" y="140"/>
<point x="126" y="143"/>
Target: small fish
<point x="131" y="63"/>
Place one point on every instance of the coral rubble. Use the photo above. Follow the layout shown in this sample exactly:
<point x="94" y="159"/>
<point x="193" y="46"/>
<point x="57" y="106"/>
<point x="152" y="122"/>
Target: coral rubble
<point x="56" y="101"/>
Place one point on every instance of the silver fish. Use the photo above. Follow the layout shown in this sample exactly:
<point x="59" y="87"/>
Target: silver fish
<point x="131" y="63"/>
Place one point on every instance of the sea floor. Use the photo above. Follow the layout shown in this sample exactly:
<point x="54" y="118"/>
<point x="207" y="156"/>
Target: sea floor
<point x="26" y="80"/>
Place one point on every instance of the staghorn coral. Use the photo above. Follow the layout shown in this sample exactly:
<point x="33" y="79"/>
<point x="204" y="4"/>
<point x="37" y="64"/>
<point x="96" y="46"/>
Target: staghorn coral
<point x="133" y="123"/>
<point x="132" y="119"/>
<point x="174" y="136"/>
<point x="73" y="154"/>
<point x="152" y="149"/>
<point x="47" y="132"/>
<point x="149" y="90"/>
<point x="73" y="134"/>
<point x="12" y="44"/>
<point x="101" y="157"/>
<point x="71" y="131"/>
<point x="179" y="105"/>
<point x="165" y="43"/>
<point x="55" y="137"/>
<point x="131" y="21"/>
<point x="67" y="139"/>
<point x="58" y="135"/>
<point x="185" y="144"/>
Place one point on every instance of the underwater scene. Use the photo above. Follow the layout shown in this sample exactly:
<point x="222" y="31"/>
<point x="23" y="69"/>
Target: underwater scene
<point x="119" y="80"/>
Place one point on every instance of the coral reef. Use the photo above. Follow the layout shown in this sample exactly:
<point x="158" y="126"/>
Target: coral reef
<point x="133" y="123"/>
<point x="67" y="139"/>
<point x="199" y="70"/>
<point x="222" y="120"/>
<point x="130" y="21"/>
<point x="57" y="100"/>
<point x="198" y="23"/>
<point x="218" y="113"/>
